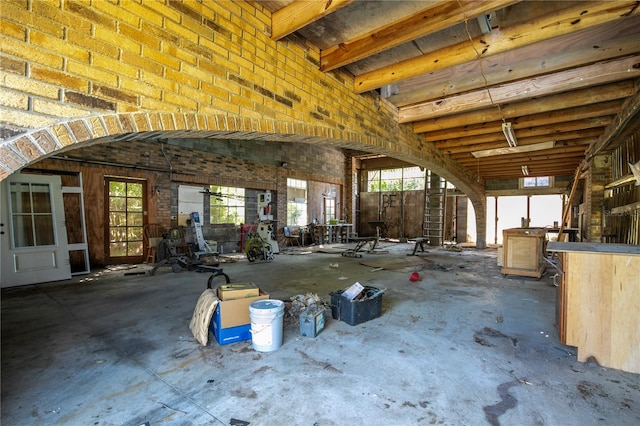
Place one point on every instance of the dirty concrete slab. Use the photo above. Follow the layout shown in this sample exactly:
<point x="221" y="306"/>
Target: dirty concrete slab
<point x="463" y="345"/>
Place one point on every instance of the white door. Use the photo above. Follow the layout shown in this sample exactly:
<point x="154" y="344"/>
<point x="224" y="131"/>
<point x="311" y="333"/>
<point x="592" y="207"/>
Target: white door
<point x="33" y="238"/>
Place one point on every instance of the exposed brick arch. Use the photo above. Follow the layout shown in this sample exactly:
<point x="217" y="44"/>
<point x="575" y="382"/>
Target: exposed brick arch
<point x="31" y="147"/>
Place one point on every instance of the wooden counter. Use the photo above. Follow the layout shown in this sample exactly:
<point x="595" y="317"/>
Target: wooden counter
<point x="598" y="305"/>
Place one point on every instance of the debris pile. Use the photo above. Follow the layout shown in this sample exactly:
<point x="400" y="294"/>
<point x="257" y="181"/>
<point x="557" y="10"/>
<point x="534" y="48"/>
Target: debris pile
<point x="302" y="302"/>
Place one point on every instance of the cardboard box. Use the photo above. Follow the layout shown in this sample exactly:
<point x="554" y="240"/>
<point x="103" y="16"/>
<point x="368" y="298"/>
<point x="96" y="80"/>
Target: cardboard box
<point x="238" y="291"/>
<point x="231" y="321"/>
<point x="225" y="336"/>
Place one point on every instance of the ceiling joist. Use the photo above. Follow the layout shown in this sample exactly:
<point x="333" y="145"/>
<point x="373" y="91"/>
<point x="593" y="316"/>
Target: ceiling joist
<point x="435" y="17"/>
<point x="562" y="73"/>
<point x="600" y="73"/>
<point x="301" y="13"/>
<point x="549" y="26"/>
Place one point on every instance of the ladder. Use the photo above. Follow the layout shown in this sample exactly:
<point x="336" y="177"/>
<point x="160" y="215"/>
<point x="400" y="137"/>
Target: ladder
<point x="435" y="192"/>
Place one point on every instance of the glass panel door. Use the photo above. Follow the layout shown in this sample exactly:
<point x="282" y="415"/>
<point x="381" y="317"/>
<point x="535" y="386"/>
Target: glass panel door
<point x="126" y="207"/>
<point x="35" y="248"/>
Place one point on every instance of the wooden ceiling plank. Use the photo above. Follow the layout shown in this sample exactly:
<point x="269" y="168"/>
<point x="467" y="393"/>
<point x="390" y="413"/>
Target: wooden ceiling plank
<point x="467" y="162"/>
<point x="538" y="164"/>
<point x="568" y="20"/>
<point x="629" y="111"/>
<point x="432" y="19"/>
<point x="559" y="54"/>
<point x="553" y="172"/>
<point x="562" y="137"/>
<point x="587" y="76"/>
<point x="534" y="169"/>
<point x="534" y="106"/>
<point x="549" y="154"/>
<point x="549" y="131"/>
<point x="301" y="13"/>
<point x="547" y="118"/>
<point x="573" y="133"/>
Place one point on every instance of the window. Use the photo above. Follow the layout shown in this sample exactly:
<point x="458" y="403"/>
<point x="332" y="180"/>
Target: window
<point x="403" y="179"/>
<point x="329" y="209"/>
<point x="32" y="215"/>
<point x="227" y="205"/>
<point x="296" y="202"/>
<point x="536" y="182"/>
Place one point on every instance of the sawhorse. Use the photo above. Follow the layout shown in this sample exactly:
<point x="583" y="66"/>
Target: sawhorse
<point x="418" y="242"/>
<point x="360" y="242"/>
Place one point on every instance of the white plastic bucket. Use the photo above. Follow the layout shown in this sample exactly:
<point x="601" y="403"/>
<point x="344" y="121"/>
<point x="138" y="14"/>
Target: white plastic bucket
<point x="266" y="324"/>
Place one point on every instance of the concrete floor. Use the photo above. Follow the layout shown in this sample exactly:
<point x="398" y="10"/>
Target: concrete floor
<point x="463" y="346"/>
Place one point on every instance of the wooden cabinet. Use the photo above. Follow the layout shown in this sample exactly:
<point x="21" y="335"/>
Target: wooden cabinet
<point x="598" y="302"/>
<point x="523" y="251"/>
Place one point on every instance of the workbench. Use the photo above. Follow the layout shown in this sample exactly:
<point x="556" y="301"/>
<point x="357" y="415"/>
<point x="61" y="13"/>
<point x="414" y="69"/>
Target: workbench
<point x="598" y="302"/>
<point x="332" y="233"/>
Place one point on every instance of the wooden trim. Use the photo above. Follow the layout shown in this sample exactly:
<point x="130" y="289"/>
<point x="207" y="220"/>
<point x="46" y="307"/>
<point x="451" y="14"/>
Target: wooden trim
<point x="594" y="248"/>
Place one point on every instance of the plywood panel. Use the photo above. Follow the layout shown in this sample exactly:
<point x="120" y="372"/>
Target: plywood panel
<point x="602" y="305"/>
<point x="625" y="318"/>
<point x="523" y="252"/>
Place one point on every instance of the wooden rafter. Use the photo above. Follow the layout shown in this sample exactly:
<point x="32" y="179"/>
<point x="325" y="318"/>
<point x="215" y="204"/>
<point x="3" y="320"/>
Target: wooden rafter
<point x="300" y="13"/>
<point x="565" y="21"/>
<point x="501" y="143"/>
<point x="577" y="78"/>
<point x="550" y="132"/>
<point x="433" y="18"/>
<point x="558" y="102"/>
<point x="588" y="112"/>
<point x="572" y="50"/>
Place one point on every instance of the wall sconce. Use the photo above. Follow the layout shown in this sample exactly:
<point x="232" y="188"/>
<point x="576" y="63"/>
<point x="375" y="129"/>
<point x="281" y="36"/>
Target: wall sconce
<point x="525" y="171"/>
<point x="284" y="164"/>
<point x="156" y="190"/>
<point x="507" y="129"/>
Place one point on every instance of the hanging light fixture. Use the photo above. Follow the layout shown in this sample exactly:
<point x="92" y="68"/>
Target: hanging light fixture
<point x="507" y="129"/>
<point x="525" y="171"/>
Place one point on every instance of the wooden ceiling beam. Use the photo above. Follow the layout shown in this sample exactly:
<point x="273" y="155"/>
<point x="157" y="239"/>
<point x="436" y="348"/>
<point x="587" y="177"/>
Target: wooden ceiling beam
<point x="578" y="78"/>
<point x="570" y="51"/>
<point x="629" y="110"/>
<point x="546" y="118"/>
<point x="545" y="104"/>
<point x="301" y="13"/>
<point x="541" y="163"/>
<point x="568" y="20"/>
<point x="550" y="154"/>
<point x="567" y="137"/>
<point x="436" y="17"/>
<point x="465" y="143"/>
<point x="549" y="131"/>
<point x="537" y="167"/>
<point x="509" y="174"/>
<point x="474" y="163"/>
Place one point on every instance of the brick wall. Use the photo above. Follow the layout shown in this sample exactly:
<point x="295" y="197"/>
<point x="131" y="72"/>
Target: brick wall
<point x="599" y="174"/>
<point x="74" y="72"/>
<point x="166" y="166"/>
